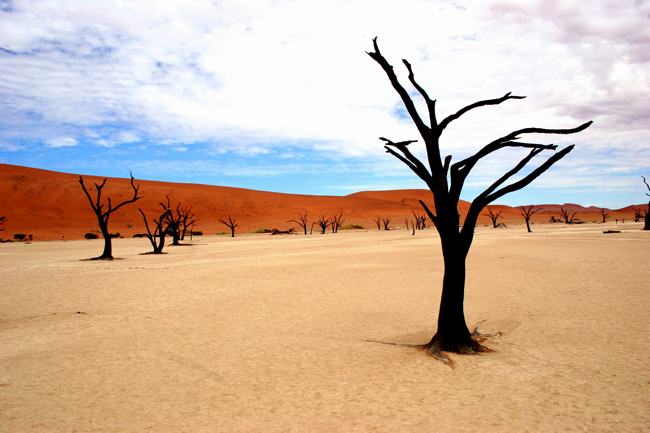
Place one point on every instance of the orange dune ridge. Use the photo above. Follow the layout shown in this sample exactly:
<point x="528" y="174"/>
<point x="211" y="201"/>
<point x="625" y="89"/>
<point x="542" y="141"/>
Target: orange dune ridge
<point x="49" y="205"/>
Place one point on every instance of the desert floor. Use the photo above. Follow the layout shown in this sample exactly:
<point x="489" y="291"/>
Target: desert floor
<point x="263" y="333"/>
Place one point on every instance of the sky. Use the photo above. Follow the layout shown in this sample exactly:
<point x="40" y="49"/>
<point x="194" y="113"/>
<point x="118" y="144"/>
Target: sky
<point x="280" y="95"/>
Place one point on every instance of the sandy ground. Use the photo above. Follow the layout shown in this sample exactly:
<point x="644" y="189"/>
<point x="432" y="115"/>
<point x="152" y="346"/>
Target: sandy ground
<point x="268" y="334"/>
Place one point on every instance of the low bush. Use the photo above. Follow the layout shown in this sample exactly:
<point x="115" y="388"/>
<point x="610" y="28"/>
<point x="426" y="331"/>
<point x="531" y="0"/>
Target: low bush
<point x="90" y="236"/>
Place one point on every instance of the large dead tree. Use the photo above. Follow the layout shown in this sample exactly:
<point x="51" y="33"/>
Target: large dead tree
<point x="527" y="212"/>
<point x="104" y="215"/>
<point x="446" y="181"/>
<point x="646" y="225"/>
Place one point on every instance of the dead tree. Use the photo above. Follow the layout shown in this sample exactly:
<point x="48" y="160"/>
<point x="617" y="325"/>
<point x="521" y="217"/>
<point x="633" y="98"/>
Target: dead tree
<point x="385" y="222"/>
<point x="173" y="221"/>
<point x="232" y="223"/>
<point x="187" y="219"/>
<point x="378" y="222"/>
<point x="323" y="223"/>
<point x="494" y="217"/>
<point x="446" y="183"/>
<point x="569" y="218"/>
<point x="103" y="216"/>
<point x="646" y="225"/>
<point x="301" y="221"/>
<point x="421" y="220"/>
<point x="638" y="215"/>
<point x="2" y="221"/>
<point x="157" y="238"/>
<point x="336" y="222"/>
<point x="527" y="212"/>
<point x="604" y="214"/>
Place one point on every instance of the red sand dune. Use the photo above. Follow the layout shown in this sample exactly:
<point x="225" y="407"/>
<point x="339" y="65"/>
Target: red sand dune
<point x="49" y="205"/>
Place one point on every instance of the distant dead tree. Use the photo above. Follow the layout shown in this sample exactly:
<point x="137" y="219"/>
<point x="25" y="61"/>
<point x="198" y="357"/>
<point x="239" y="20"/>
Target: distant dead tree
<point x="569" y="218"/>
<point x="157" y="238"/>
<point x="2" y="221"/>
<point x="446" y="183"/>
<point x="527" y="212"/>
<point x="604" y="214"/>
<point x="323" y="223"/>
<point x="646" y="225"/>
<point x="385" y="222"/>
<point x="301" y="221"/>
<point x="378" y="222"/>
<point x="336" y="222"/>
<point x="494" y="216"/>
<point x="311" y="230"/>
<point x="187" y="219"/>
<point x="232" y="223"/>
<point x="173" y="221"/>
<point x="103" y="216"/>
<point x="420" y="220"/>
<point x="638" y="215"/>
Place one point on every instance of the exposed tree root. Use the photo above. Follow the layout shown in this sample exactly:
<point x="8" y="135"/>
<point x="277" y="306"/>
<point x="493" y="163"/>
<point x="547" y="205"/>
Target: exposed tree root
<point x="464" y="346"/>
<point x="99" y="258"/>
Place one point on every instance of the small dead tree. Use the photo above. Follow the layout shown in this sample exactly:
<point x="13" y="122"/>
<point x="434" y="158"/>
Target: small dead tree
<point x="187" y="219"/>
<point x="494" y="216"/>
<point x="103" y="215"/>
<point x="385" y="222"/>
<point x="421" y="220"/>
<point x="446" y="183"/>
<point x="646" y="225"/>
<point x="323" y="223"/>
<point x="336" y="222"/>
<point x="157" y="238"/>
<point x="604" y="214"/>
<point x="378" y="222"/>
<point x="638" y="215"/>
<point x="569" y="218"/>
<point x="173" y="221"/>
<point x="301" y="221"/>
<point x="527" y="212"/>
<point x="232" y="224"/>
<point x="2" y="221"/>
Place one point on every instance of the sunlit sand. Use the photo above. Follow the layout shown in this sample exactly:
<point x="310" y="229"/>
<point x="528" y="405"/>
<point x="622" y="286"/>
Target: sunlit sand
<point x="262" y="333"/>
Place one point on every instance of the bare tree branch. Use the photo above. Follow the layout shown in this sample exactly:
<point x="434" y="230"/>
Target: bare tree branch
<point x="462" y="111"/>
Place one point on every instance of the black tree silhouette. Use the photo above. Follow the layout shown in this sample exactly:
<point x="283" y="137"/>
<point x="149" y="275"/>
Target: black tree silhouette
<point x="446" y="183"/>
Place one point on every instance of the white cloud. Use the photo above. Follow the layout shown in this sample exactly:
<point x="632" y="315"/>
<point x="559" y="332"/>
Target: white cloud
<point x="61" y="142"/>
<point x="255" y="77"/>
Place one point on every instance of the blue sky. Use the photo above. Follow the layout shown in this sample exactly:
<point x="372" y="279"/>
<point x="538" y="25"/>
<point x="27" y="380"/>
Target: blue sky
<point x="280" y="96"/>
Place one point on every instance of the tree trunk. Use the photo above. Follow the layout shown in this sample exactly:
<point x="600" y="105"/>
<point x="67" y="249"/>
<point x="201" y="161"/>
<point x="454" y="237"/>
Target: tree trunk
<point x="452" y="334"/>
<point x="646" y="224"/>
<point x="108" y="244"/>
<point x="528" y="225"/>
